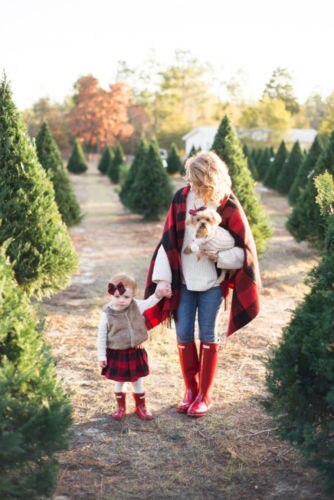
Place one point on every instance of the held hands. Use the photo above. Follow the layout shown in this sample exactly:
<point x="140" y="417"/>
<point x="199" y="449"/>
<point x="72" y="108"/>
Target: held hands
<point x="102" y="364"/>
<point x="163" y="289"/>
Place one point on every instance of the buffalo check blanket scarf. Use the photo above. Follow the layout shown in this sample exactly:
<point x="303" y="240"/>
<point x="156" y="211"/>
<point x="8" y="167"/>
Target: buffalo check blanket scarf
<point x="243" y="283"/>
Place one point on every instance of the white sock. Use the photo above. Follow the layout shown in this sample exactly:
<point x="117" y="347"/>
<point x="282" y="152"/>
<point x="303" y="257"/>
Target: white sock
<point x="119" y="386"/>
<point x="138" y="386"/>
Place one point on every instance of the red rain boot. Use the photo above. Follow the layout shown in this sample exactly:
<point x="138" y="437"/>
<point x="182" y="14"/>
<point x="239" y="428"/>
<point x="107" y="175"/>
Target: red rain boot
<point x="208" y="365"/>
<point x="190" y="366"/>
<point x="120" y="411"/>
<point x="141" y="410"/>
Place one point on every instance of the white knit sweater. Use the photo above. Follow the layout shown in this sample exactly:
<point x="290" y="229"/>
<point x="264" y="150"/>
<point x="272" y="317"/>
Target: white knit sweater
<point x="199" y="275"/>
<point x="103" y="324"/>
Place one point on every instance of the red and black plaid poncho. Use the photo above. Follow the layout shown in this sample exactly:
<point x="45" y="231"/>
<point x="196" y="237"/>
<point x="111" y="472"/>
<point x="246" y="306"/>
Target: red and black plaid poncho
<point x="244" y="282"/>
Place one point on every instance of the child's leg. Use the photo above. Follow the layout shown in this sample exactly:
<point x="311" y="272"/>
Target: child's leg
<point x="139" y="397"/>
<point x="120" y="400"/>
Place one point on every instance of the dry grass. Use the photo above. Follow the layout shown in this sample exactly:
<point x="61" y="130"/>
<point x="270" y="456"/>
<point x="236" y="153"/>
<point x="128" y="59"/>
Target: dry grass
<point x="230" y="453"/>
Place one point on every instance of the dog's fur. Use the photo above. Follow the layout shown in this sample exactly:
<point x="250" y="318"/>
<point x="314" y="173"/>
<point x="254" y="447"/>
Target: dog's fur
<point x="206" y="223"/>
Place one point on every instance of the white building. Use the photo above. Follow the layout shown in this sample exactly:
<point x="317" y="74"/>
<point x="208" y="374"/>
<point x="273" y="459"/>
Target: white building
<point x="202" y="137"/>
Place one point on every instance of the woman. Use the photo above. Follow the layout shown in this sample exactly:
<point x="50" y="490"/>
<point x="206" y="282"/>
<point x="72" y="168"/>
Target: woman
<point x="194" y="282"/>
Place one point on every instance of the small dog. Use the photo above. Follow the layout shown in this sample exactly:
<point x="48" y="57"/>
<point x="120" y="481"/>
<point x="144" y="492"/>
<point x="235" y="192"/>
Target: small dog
<point x="208" y="235"/>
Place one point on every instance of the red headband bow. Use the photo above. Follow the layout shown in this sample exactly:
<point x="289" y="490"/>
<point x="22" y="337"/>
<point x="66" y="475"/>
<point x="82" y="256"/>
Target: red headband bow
<point x="194" y="211"/>
<point x="112" y="288"/>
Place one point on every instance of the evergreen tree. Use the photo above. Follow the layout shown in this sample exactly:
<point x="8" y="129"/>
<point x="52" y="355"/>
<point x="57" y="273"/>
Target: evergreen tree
<point x="228" y="148"/>
<point x="251" y="163"/>
<point x="152" y="191"/>
<point x="264" y="163"/>
<point x="106" y="160"/>
<point x="51" y="160"/>
<point x="115" y="165"/>
<point x="39" y="245"/>
<point x="174" y="164"/>
<point x="137" y="164"/>
<point x="307" y="166"/>
<point x="290" y="169"/>
<point x="276" y="166"/>
<point x="306" y="221"/>
<point x="77" y="163"/>
<point x="300" y="377"/>
<point x="34" y="413"/>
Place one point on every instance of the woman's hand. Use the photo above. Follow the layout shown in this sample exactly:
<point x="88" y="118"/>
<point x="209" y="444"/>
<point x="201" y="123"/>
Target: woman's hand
<point x="163" y="289"/>
<point x="102" y="364"/>
<point x="213" y="256"/>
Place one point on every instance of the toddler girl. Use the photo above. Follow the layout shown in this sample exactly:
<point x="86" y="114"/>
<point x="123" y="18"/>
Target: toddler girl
<point x="121" y="332"/>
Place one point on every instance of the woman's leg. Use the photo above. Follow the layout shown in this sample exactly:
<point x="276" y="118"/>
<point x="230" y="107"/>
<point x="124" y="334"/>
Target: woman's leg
<point x="188" y="356"/>
<point x="208" y="307"/>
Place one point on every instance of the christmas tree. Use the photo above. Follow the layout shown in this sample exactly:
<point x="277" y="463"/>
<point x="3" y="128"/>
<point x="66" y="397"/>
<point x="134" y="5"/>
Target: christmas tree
<point x="50" y="159"/>
<point x="228" y="148"/>
<point x="174" y="164"/>
<point x="276" y="167"/>
<point x="77" y="163"/>
<point x="306" y="221"/>
<point x="152" y="191"/>
<point x="305" y="169"/>
<point x="39" y="246"/>
<point x="289" y="170"/>
<point x="137" y="164"/>
<point x="106" y="160"/>
<point x="300" y="378"/>
<point x="115" y="165"/>
<point x="34" y="413"/>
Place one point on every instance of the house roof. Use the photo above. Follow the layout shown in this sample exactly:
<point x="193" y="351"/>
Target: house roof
<point x="198" y="130"/>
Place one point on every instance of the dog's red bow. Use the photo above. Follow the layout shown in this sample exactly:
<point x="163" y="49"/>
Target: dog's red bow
<point x="112" y="288"/>
<point x="194" y="211"/>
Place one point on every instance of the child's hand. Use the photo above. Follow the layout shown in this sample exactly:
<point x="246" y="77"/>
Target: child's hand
<point x="163" y="289"/>
<point x="102" y="364"/>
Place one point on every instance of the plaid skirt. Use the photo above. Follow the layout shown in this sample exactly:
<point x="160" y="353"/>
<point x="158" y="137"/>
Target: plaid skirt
<point x="126" y="365"/>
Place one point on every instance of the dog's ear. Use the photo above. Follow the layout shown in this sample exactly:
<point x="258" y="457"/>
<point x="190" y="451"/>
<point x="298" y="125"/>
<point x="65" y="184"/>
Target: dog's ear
<point x="217" y="218"/>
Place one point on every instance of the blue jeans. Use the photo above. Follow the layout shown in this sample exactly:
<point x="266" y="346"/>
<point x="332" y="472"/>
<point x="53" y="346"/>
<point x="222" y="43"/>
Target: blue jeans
<point x="207" y="306"/>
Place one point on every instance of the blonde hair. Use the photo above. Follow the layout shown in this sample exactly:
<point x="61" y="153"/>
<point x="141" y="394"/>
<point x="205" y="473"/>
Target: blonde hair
<point x="128" y="281"/>
<point x="208" y="176"/>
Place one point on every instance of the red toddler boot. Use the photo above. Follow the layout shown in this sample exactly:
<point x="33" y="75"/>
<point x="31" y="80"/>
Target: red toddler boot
<point x="120" y="411"/>
<point x="141" y="410"/>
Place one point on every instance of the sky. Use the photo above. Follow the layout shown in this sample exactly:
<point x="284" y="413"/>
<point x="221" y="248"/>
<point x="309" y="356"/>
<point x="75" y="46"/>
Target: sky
<point x="46" y="45"/>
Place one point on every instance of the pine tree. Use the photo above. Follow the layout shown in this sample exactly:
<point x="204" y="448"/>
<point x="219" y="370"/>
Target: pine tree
<point x="39" y="246"/>
<point x="34" y="413"/>
<point x="51" y="160"/>
<point x="251" y="163"/>
<point x="115" y="165"/>
<point x="290" y="169"/>
<point x="300" y="377"/>
<point x="264" y="163"/>
<point x="276" y="167"/>
<point x="152" y="191"/>
<point x="228" y="148"/>
<point x="305" y="169"/>
<point x="77" y="163"/>
<point x="174" y="164"/>
<point x="106" y="160"/>
<point x="306" y="221"/>
<point x="137" y="164"/>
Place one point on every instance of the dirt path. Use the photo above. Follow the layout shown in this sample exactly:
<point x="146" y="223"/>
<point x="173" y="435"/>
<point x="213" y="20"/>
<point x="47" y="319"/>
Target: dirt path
<point x="231" y="453"/>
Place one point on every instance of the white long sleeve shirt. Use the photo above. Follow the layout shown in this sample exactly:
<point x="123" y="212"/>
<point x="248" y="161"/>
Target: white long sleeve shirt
<point x="143" y="305"/>
<point x="198" y="275"/>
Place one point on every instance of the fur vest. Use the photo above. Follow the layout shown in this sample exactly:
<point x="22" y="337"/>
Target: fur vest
<point x="125" y="328"/>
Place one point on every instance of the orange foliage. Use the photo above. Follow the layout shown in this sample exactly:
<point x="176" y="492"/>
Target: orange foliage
<point x="100" y="117"/>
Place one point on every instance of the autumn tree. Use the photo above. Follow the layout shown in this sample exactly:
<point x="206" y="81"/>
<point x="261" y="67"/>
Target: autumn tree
<point x="280" y="87"/>
<point x="39" y="245"/>
<point x="228" y="148"/>
<point x="77" y="163"/>
<point x="99" y="116"/>
<point x="51" y="160"/>
<point x="327" y="124"/>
